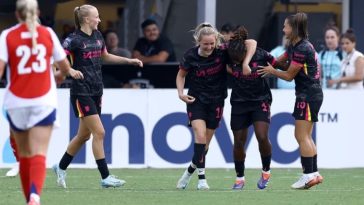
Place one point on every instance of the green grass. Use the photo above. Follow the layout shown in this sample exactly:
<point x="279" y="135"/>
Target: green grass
<point x="157" y="186"/>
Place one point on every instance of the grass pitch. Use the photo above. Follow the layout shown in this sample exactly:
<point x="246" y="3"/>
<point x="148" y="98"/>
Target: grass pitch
<point x="157" y="186"/>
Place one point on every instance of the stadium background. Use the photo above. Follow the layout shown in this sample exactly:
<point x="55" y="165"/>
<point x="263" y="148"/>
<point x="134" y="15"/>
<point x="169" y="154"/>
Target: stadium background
<point x="146" y="128"/>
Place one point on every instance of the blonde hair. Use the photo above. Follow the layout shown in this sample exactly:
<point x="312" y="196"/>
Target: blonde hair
<point x="80" y="12"/>
<point x="206" y="29"/>
<point x="28" y="12"/>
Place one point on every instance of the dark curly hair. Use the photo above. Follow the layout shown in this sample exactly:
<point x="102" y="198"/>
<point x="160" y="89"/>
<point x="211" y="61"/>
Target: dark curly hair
<point x="236" y="48"/>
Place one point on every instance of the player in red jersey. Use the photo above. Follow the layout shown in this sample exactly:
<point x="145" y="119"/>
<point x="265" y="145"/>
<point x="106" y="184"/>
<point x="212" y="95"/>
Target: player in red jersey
<point x="30" y="99"/>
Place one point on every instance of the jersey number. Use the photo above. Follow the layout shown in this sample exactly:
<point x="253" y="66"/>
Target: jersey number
<point x="25" y="52"/>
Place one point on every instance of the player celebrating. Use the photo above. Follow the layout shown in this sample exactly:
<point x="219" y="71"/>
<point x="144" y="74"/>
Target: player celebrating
<point x="206" y="66"/>
<point x="87" y="47"/>
<point x="250" y="104"/>
<point x="304" y="69"/>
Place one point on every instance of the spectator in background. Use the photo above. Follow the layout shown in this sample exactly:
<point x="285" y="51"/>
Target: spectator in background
<point x="276" y="52"/>
<point x="112" y="44"/>
<point x="67" y="30"/>
<point x="330" y="57"/>
<point x="153" y="47"/>
<point x="352" y="66"/>
<point x="227" y="30"/>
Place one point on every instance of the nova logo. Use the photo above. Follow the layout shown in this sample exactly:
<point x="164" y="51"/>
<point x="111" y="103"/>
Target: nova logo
<point x="135" y="128"/>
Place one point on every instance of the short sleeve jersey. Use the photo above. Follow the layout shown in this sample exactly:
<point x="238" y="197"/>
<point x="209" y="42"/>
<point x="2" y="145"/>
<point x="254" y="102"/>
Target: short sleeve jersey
<point x="207" y="76"/>
<point x="85" y="52"/>
<point x="147" y="48"/>
<point x="29" y="73"/>
<point x="248" y="88"/>
<point x="307" y="80"/>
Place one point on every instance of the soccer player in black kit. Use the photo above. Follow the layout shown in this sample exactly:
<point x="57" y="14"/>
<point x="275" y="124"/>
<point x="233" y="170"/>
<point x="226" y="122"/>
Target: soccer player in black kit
<point x="87" y="49"/>
<point x="205" y="65"/>
<point x="304" y="69"/>
<point x="250" y="105"/>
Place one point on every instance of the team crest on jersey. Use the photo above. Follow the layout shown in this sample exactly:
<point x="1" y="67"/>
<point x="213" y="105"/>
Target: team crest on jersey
<point x="66" y="43"/>
<point x="84" y="45"/>
<point x="217" y="60"/>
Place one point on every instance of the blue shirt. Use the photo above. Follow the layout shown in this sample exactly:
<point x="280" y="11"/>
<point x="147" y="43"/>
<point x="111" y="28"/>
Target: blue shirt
<point x="330" y="66"/>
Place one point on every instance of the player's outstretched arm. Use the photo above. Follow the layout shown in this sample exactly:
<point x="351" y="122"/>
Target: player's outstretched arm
<point x="110" y="58"/>
<point x="251" y="46"/>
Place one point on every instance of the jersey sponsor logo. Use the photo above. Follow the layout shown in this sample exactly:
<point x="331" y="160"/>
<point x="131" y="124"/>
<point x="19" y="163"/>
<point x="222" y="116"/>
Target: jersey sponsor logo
<point x="209" y="71"/>
<point x="92" y="54"/>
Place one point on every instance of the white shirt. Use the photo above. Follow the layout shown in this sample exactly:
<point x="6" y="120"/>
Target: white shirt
<point x="348" y="69"/>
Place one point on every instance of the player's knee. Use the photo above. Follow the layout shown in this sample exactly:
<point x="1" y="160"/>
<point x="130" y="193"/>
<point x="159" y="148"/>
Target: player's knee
<point x="99" y="134"/>
<point x="200" y="139"/>
<point x="84" y="137"/>
<point x="238" y="145"/>
<point x="262" y="138"/>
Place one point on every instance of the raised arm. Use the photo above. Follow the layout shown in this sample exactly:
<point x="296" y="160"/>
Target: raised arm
<point x="251" y="46"/>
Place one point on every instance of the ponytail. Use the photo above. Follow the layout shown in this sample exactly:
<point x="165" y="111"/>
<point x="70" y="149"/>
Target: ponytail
<point x="76" y="16"/>
<point x="298" y="22"/>
<point x="28" y="12"/>
<point x="80" y="12"/>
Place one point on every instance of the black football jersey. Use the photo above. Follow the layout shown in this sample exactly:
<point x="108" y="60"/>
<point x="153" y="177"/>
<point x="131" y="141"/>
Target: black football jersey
<point x="307" y="80"/>
<point x="85" y="52"/>
<point x="253" y="87"/>
<point x="207" y="76"/>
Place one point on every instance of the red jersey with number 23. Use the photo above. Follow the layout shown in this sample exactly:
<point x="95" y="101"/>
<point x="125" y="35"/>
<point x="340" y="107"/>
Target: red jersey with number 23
<point x="29" y="72"/>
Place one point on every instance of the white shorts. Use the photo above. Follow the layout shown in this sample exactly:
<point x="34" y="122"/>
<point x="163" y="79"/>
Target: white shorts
<point x="21" y="119"/>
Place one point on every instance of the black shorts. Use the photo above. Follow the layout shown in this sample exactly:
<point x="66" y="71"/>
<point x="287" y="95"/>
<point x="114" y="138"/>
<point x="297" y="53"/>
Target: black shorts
<point x="86" y="105"/>
<point x="245" y="114"/>
<point x="210" y="113"/>
<point x="308" y="111"/>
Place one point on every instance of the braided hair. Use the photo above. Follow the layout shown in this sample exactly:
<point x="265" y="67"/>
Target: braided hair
<point x="236" y="48"/>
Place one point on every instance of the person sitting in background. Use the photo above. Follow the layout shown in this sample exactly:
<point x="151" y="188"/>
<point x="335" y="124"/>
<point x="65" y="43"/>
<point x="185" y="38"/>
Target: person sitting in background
<point x="112" y="44"/>
<point x="227" y="30"/>
<point x="330" y="57"/>
<point x="352" y="66"/>
<point x="276" y="52"/>
<point x="153" y="47"/>
<point x="66" y="30"/>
